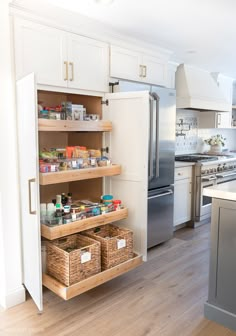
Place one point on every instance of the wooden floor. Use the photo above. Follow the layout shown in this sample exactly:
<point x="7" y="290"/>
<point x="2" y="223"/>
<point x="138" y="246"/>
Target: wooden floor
<point x="163" y="297"/>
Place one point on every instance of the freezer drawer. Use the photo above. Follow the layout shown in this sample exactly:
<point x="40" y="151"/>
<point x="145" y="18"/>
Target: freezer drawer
<point x="160" y="215"/>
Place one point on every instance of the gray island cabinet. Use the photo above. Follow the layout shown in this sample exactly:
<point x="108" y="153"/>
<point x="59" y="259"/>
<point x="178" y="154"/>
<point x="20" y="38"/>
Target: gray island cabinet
<point x="221" y="304"/>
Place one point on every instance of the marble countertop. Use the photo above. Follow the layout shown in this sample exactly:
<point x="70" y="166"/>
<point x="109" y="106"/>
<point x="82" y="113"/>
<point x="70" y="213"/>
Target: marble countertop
<point x="225" y="191"/>
<point x="183" y="164"/>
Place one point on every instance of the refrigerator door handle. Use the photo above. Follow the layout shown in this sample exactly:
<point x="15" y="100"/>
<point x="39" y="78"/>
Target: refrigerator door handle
<point x="151" y="159"/>
<point x="157" y="99"/>
<point x="169" y="192"/>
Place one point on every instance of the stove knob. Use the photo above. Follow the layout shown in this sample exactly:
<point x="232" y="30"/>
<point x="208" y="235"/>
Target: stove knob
<point x="214" y="170"/>
<point x="207" y="171"/>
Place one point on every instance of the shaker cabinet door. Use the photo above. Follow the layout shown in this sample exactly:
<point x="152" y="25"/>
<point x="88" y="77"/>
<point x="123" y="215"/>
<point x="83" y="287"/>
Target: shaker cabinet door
<point x="182" y="201"/>
<point x="155" y="70"/>
<point x="29" y="187"/>
<point x="125" y="64"/>
<point x="42" y="50"/>
<point x="87" y="64"/>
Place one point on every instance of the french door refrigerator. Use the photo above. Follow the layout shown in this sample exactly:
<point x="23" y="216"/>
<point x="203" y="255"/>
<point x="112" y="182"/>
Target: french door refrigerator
<point x="159" y="120"/>
<point x="161" y="166"/>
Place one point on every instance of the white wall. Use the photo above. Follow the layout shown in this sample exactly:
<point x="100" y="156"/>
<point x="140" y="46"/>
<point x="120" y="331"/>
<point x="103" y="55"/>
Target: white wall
<point x="11" y="289"/>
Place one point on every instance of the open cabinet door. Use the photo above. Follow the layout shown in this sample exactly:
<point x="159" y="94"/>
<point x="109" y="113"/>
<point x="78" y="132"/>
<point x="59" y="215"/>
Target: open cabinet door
<point x="29" y="187"/>
<point x="128" y="146"/>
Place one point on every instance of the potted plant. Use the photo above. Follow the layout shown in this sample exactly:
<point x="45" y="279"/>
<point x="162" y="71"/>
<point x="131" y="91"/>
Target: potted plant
<point x="216" y="142"/>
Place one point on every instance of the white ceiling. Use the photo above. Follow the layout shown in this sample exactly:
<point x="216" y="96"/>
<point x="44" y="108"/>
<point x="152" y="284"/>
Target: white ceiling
<point x="198" y="32"/>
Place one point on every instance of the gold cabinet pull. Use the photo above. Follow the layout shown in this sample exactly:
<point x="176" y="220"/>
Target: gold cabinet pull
<point x="145" y="71"/>
<point x="66" y="77"/>
<point x="72" y="71"/>
<point x="30" y="200"/>
<point x="140" y="70"/>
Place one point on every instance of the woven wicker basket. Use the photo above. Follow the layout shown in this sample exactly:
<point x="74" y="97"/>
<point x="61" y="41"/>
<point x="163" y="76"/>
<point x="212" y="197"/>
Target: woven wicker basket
<point x="110" y="237"/>
<point x="66" y="258"/>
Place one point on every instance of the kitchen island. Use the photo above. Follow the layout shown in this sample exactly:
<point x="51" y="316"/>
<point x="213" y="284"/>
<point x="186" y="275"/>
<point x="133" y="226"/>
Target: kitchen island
<point x="221" y="304"/>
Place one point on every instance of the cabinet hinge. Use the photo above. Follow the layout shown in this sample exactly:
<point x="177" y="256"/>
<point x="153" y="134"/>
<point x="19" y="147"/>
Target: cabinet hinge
<point x="106" y="102"/>
<point x="105" y="150"/>
<point x="112" y="85"/>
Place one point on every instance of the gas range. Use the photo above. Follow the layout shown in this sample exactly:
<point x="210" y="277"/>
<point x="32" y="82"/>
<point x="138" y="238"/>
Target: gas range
<point x="208" y="170"/>
<point x="202" y="157"/>
<point x="206" y="164"/>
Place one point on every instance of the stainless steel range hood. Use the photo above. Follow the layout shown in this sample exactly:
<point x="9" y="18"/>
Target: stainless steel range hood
<point x="197" y="89"/>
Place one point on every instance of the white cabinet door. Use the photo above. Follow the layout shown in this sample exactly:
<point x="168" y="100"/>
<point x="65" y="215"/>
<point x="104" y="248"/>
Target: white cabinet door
<point x="41" y="50"/>
<point x="125" y="64"/>
<point x="88" y="63"/>
<point x="223" y="120"/>
<point x="214" y="120"/>
<point x="29" y="187"/>
<point x="182" y="201"/>
<point x="128" y="144"/>
<point x="155" y="70"/>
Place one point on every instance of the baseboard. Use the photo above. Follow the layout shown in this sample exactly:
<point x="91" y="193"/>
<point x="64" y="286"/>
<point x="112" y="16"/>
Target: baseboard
<point x="220" y="316"/>
<point x="180" y="226"/>
<point x="193" y="224"/>
<point x="14" y="298"/>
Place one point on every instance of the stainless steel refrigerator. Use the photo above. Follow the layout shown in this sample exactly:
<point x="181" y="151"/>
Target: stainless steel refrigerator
<point x="161" y="160"/>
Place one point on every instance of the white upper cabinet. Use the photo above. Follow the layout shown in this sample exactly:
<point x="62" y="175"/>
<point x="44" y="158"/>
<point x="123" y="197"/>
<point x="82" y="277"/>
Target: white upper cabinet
<point x="132" y="65"/>
<point x="125" y="64"/>
<point x="41" y="50"/>
<point x="154" y="70"/>
<point x="210" y="119"/>
<point x="59" y="58"/>
<point x="87" y="63"/>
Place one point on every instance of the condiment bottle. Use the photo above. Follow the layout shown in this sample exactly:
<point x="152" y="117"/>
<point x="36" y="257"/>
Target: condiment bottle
<point x="58" y="213"/>
<point x="69" y="200"/>
<point x="73" y="215"/>
<point x="58" y="201"/>
<point x="63" y="199"/>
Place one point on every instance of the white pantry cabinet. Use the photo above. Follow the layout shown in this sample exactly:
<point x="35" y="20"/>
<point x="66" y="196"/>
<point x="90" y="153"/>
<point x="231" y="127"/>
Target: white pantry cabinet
<point x="182" y="195"/>
<point x="127" y="182"/>
<point x="135" y="66"/>
<point x="59" y="58"/>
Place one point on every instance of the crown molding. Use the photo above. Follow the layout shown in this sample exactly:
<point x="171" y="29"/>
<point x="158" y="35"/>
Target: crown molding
<point x="49" y="15"/>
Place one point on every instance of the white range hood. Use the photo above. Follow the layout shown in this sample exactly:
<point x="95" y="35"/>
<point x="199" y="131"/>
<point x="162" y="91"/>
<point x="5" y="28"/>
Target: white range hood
<point x="197" y="89"/>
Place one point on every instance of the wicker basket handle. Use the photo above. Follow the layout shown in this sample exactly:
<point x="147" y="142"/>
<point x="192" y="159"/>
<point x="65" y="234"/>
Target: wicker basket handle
<point x="62" y="240"/>
<point x="84" y="249"/>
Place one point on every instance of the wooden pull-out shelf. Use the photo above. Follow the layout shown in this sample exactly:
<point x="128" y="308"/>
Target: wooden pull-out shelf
<point x="83" y="224"/>
<point x="67" y="293"/>
<point x="78" y="174"/>
<point x="74" y="126"/>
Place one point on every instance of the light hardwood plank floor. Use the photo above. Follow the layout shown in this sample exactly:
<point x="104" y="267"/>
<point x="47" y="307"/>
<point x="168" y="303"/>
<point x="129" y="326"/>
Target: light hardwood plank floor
<point x="163" y="297"/>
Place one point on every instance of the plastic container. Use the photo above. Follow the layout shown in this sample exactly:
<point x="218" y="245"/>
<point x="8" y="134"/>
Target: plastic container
<point x="43" y="114"/>
<point x="107" y="197"/>
<point x="116" y="204"/>
<point x="50" y="211"/>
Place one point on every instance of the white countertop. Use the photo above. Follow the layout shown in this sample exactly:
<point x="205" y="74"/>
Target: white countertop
<point x="183" y="164"/>
<point x="225" y="191"/>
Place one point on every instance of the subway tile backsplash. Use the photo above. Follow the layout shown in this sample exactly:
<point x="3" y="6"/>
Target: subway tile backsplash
<point x="190" y="138"/>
